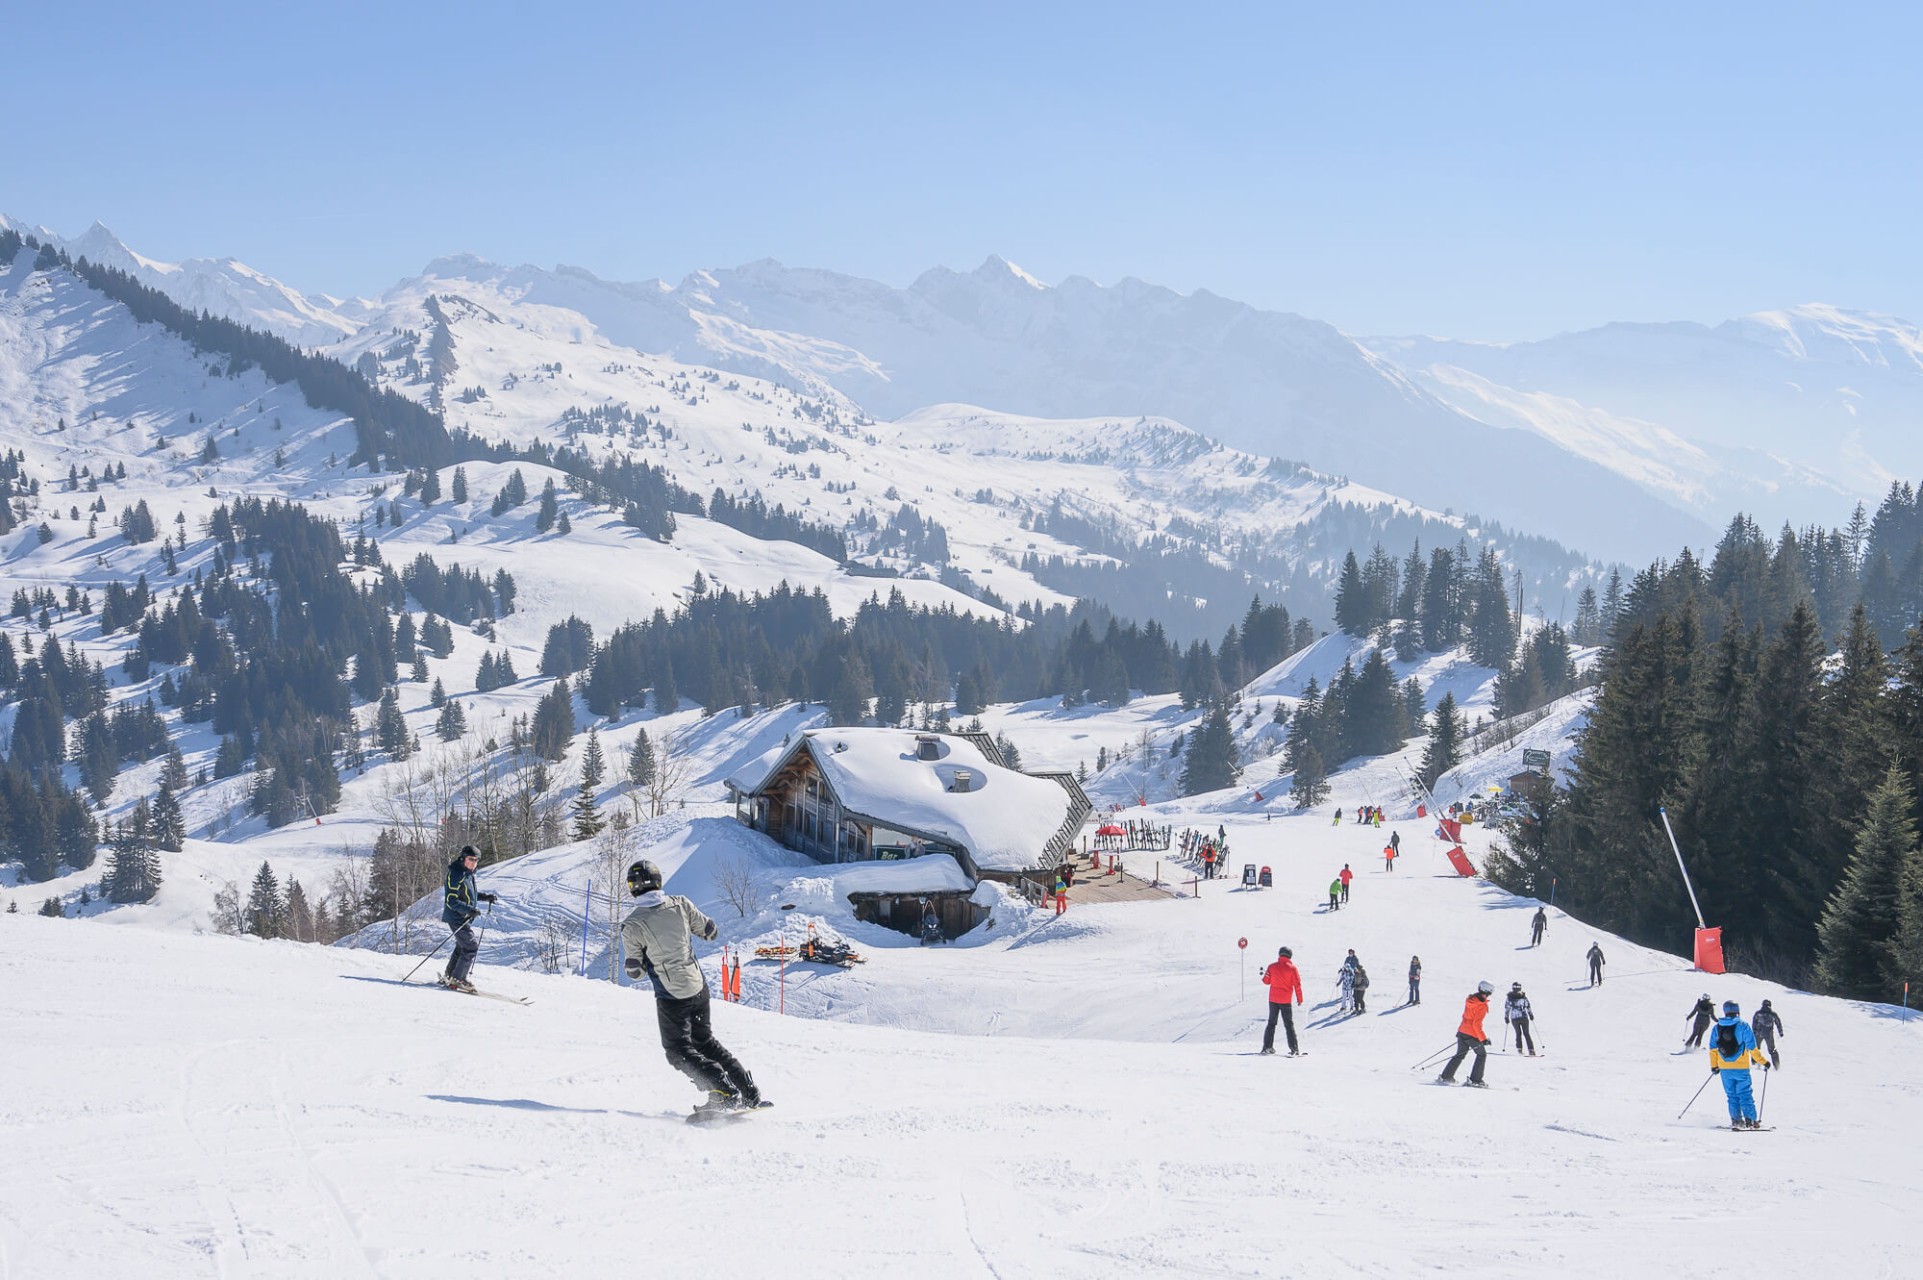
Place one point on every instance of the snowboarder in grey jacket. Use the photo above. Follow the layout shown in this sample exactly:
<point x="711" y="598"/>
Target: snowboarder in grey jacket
<point x="659" y="935"/>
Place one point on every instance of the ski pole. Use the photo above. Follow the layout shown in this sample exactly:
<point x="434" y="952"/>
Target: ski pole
<point x="1764" y="1100"/>
<point x="1432" y="1057"/>
<point x="1699" y="1093"/>
<point x="429" y="956"/>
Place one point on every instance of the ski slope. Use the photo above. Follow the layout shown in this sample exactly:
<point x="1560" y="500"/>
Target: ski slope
<point x="1051" y="1097"/>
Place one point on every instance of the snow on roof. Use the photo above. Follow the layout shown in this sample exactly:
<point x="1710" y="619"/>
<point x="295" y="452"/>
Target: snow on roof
<point x="929" y="873"/>
<point x="1003" y="819"/>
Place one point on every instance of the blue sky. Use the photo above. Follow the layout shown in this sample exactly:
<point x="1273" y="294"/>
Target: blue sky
<point x="1482" y="170"/>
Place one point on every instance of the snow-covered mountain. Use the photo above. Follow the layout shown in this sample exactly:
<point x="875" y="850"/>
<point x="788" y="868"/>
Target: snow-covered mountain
<point x="1666" y="428"/>
<point x="221" y="286"/>
<point x="1790" y="414"/>
<point x="1269" y="383"/>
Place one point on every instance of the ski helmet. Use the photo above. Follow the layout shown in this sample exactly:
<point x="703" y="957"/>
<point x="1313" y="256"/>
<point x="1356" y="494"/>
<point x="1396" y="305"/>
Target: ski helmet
<point x="1484" y="988"/>
<point x="1285" y="953"/>
<point x="1515" y="986"/>
<point x="1731" y="1008"/>
<point x="469" y="851"/>
<point x="1766" y="1004"/>
<point x="643" y="876"/>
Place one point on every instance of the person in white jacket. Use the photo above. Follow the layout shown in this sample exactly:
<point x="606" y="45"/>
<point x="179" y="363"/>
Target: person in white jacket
<point x="659" y="934"/>
<point x="1515" y="1011"/>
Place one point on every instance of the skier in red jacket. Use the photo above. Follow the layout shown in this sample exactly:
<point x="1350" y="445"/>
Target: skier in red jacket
<point x="1285" y="992"/>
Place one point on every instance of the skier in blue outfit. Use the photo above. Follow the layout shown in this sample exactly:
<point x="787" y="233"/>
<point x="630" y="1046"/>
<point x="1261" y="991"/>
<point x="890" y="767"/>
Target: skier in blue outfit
<point x="1732" y="1052"/>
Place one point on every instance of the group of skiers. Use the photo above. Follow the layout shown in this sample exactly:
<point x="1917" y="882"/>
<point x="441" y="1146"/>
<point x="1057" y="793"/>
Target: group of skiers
<point x="1763" y="1028"/>
<point x="1366" y="814"/>
<point x="659" y="938"/>
<point x="1339" y="888"/>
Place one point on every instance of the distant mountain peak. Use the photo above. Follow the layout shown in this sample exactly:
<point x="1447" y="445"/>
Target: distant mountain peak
<point x="994" y="266"/>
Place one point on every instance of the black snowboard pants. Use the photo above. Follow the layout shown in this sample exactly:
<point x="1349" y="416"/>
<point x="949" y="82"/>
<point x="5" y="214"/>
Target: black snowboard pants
<point x="688" y="1040"/>
<point x="1287" y="1013"/>
<point x="1523" y="1036"/>
<point x="1695" y="1040"/>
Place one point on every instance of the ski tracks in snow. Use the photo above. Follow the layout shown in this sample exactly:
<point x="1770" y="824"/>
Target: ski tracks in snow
<point x="244" y="1148"/>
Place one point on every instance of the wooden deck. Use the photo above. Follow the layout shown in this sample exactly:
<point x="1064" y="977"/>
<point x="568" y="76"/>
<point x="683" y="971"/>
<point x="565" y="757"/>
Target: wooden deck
<point x="1093" y="886"/>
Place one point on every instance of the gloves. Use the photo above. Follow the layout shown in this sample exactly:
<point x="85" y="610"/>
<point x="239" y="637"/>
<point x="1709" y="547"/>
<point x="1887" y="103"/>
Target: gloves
<point x="633" y="967"/>
<point x="488" y="898"/>
<point x="710" y="932"/>
<point x="1766" y="1066"/>
<point x="1715" y="1068"/>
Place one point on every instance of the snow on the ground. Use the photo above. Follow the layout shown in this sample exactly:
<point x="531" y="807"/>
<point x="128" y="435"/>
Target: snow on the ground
<point x="1076" y="1096"/>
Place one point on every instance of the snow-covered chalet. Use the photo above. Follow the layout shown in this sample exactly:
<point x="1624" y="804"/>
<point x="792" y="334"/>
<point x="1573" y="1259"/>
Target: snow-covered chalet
<point x="851" y="795"/>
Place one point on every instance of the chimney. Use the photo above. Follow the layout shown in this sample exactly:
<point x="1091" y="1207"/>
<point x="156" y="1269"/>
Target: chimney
<point x="926" y="747"/>
<point x="962" y="779"/>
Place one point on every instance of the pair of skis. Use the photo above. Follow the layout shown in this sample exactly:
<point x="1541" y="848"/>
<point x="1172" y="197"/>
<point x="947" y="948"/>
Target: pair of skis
<point x="443" y="983"/>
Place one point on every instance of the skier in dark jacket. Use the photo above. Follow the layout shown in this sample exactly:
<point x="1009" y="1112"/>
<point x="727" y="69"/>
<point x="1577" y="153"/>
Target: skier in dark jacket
<point x="1595" y="964"/>
<point x="1704" y="1013"/>
<point x="1415" y="979"/>
<point x="460" y="903"/>
<point x="659" y="936"/>
<point x="1767" y="1026"/>
<point x="1517" y="1013"/>
<point x="1537" y="925"/>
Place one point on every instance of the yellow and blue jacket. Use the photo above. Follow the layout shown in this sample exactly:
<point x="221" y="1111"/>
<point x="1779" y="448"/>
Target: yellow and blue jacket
<point x="1747" y="1055"/>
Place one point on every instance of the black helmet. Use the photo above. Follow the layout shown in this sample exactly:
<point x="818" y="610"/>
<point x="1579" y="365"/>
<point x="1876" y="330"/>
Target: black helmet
<point x="469" y="851"/>
<point x="643" y="876"/>
<point x="1766" y="1004"/>
<point x="1285" y="953"/>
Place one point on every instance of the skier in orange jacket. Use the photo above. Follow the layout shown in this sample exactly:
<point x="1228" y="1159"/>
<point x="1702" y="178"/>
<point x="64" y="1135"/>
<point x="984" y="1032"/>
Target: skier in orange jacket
<point x="1469" y="1038"/>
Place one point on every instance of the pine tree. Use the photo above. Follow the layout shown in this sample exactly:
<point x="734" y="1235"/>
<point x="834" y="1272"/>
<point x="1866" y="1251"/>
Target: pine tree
<point x="437" y="696"/>
<point x="265" y="912"/>
<point x="451" y="723"/>
<point x="173" y="774"/>
<point x="1309" y="785"/>
<point x="1352" y="606"/>
<point x="1860" y="923"/>
<point x="641" y="762"/>
<point x="459" y="486"/>
<point x="594" y="765"/>
<point x="301" y="926"/>
<point x="169" y="825"/>
<point x="1210" y="762"/>
<point x="1446" y="732"/>
<point x="1372" y="711"/>
<point x="390" y="727"/>
<point x="587" y="816"/>
<point x="133" y="869"/>
<point x="550" y="507"/>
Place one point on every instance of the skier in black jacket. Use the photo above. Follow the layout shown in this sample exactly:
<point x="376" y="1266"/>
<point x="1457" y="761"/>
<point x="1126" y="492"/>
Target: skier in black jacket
<point x="1595" y="964"/>
<point x="1767" y="1027"/>
<point x="460" y="903"/>
<point x="1704" y="1013"/>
